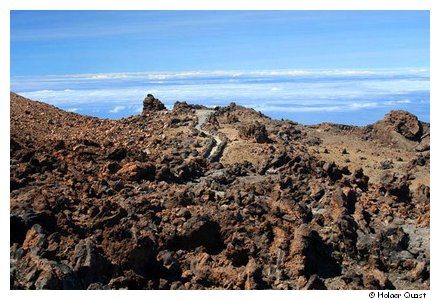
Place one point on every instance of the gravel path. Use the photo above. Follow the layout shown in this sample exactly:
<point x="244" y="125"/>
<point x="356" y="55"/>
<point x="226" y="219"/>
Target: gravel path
<point x="202" y="116"/>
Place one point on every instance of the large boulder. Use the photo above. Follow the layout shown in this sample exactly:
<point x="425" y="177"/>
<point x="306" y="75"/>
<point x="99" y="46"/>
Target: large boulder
<point x="136" y="171"/>
<point x="198" y="231"/>
<point x="405" y="123"/>
<point x="89" y="263"/>
<point x="255" y="131"/>
<point x="129" y="248"/>
<point x="182" y="107"/>
<point x="30" y="269"/>
<point x="310" y="255"/>
<point x="152" y="104"/>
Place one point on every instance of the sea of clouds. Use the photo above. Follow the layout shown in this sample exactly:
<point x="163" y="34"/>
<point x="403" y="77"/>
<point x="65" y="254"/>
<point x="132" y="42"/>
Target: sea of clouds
<point x="358" y="97"/>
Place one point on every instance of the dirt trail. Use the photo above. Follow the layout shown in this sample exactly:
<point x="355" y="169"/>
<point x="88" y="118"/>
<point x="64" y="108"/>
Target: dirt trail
<point x="202" y="116"/>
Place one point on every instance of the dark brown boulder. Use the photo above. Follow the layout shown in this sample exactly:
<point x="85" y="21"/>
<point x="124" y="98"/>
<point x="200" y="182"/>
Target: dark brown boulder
<point x="135" y="171"/>
<point x="395" y="185"/>
<point x="310" y="255"/>
<point x="255" y="131"/>
<point x="129" y="248"/>
<point x="152" y="104"/>
<point x="182" y="107"/>
<point x="117" y="154"/>
<point x="332" y="170"/>
<point x="199" y="231"/>
<point x="405" y="123"/>
<point x="89" y="263"/>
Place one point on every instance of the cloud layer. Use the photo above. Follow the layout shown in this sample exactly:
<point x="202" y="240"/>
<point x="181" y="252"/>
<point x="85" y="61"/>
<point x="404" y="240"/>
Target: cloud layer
<point x="276" y="92"/>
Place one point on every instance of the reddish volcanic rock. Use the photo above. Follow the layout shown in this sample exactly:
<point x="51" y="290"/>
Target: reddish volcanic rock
<point x="256" y="132"/>
<point x="224" y="198"/>
<point x="405" y="123"/>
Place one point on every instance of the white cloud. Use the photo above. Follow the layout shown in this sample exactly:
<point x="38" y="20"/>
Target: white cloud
<point x="268" y="91"/>
<point x="107" y="76"/>
<point x="117" y="109"/>
<point x="232" y="73"/>
<point x="405" y="101"/>
<point x="356" y="106"/>
<point x="273" y="108"/>
<point x="341" y="107"/>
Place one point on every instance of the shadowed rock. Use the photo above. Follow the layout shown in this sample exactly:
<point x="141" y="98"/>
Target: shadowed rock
<point x="256" y="132"/>
<point x="152" y="104"/>
<point x="405" y="123"/>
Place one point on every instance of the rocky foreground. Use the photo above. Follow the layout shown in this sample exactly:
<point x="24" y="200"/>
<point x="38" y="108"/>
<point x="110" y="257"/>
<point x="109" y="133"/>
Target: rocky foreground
<point x="195" y="198"/>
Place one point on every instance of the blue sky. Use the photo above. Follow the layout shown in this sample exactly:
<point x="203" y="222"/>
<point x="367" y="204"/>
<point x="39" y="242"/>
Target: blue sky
<point x="347" y="67"/>
<point x="73" y="42"/>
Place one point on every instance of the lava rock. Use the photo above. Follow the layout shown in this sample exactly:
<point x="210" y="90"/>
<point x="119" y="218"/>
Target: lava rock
<point x="135" y="171"/>
<point x="89" y="263"/>
<point x="255" y="131"/>
<point x="152" y="104"/>
<point x="405" y="123"/>
<point x="199" y="231"/>
<point x="117" y="154"/>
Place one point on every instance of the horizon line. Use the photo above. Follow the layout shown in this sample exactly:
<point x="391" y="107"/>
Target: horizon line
<point x="238" y="72"/>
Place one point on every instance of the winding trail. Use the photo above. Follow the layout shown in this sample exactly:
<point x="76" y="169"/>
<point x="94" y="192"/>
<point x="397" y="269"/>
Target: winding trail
<point x="202" y="116"/>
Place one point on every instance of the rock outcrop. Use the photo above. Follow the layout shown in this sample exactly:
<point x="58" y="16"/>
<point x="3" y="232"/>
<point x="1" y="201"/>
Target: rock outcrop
<point x="152" y="104"/>
<point x="256" y="132"/>
<point x="405" y="123"/>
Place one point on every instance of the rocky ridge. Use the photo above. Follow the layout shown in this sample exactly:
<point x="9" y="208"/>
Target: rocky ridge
<point x="224" y="198"/>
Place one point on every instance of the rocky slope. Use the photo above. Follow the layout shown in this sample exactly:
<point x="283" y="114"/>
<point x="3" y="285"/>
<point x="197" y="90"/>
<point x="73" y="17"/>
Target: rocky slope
<point x="193" y="198"/>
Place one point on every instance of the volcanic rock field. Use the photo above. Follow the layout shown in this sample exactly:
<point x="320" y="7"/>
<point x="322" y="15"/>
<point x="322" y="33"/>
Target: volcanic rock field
<point x="216" y="198"/>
